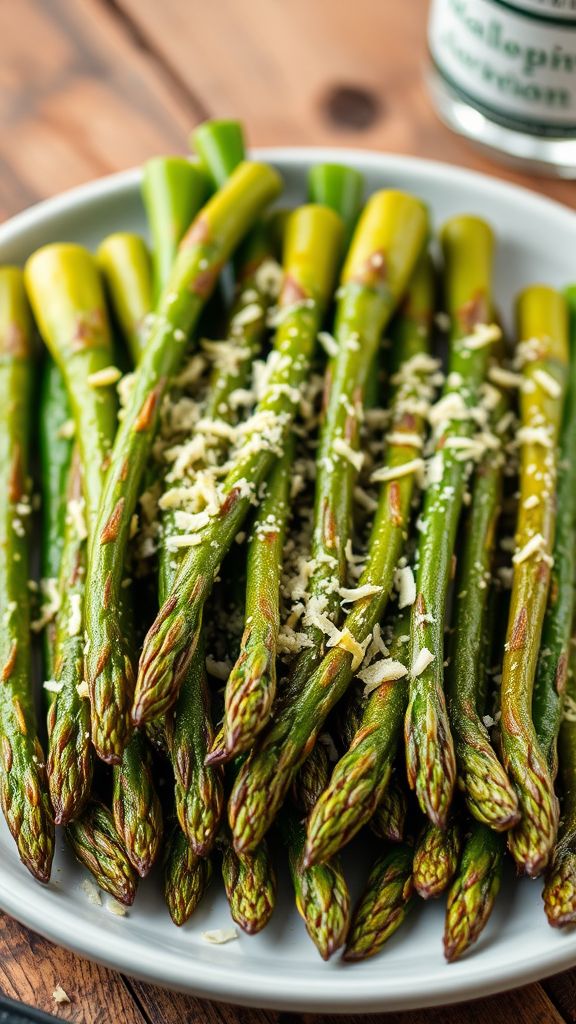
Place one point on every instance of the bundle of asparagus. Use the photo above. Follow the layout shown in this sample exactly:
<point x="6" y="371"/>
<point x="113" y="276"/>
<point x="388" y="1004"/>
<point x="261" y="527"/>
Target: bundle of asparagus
<point x="310" y="512"/>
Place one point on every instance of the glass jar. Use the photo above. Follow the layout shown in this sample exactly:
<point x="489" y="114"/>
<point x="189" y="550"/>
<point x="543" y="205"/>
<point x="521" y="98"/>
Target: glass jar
<point x="503" y="73"/>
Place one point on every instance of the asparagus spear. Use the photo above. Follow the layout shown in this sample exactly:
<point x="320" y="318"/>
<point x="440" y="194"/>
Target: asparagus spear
<point x="489" y="795"/>
<point x="136" y="807"/>
<point x="312" y="242"/>
<point x="322" y="897"/>
<point x="251" y="686"/>
<point x="474" y="889"/>
<point x="173" y="190"/>
<point x="311" y="779"/>
<point x="386" y="244"/>
<point x="124" y="263"/>
<point x="56" y="446"/>
<point x="70" y="763"/>
<point x="264" y="781"/>
<point x="23" y="793"/>
<point x="559" y="892"/>
<point x="204" y="249"/>
<point x="250" y="884"/>
<point x="198" y="792"/>
<point x="467" y="247"/>
<point x="550" y="680"/>
<point x="220" y="147"/>
<point x="361" y="777"/>
<point x="543" y="351"/>
<point x="186" y="877"/>
<point x="95" y="842"/>
<point x="339" y="187"/>
<point x="436" y="858"/>
<point x="387" y="899"/>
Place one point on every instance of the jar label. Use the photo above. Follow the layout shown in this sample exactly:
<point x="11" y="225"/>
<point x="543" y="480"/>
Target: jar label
<point x="515" y="58"/>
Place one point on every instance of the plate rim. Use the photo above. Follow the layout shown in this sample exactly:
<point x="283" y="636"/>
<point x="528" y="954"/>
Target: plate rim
<point x="261" y="987"/>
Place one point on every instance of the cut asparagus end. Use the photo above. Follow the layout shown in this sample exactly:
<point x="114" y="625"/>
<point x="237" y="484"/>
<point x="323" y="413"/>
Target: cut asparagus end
<point x="339" y="187"/>
<point x="174" y="189"/>
<point x="220" y="146"/>
<point x="124" y="263"/>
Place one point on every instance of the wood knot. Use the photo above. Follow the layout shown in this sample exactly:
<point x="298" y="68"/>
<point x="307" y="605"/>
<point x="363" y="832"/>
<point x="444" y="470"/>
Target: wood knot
<point x="351" y="106"/>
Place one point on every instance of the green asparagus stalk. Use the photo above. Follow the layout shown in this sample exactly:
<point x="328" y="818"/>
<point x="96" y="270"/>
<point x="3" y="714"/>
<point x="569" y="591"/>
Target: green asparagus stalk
<point x="341" y="188"/>
<point x="384" y="905"/>
<point x="474" y="889"/>
<point x="173" y="191"/>
<point x="542" y="325"/>
<point x="384" y="250"/>
<point x="361" y="777"/>
<point x="559" y="892"/>
<point x="467" y="244"/>
<point x="136" y="807"/>
<point x="220" y="146"/>
<point x="264" y="781"/>
<point x="489" y="795"/>
<point x="186" y="878"/>
<point x="23" y="791"/>
<point x="198" y="789"/>
<point x="436" y="858"/>
<point x="95" y="842"/>
<point x="70" y="762"/>
<point x="56" y="443"/>
<point x="251" y="686"/>
<point x="551" y="673"/>
<point x="205" y="248"/>
<point x="389" y="818"/>
<point x="250" y="884"/>
<point x="124" y="263"/>
<point x="322" y="897"/>
<point x="313" y="238"/>
<point x="311" y="779"/>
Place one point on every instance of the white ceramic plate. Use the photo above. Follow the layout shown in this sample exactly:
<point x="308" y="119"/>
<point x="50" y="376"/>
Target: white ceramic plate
<point x="279" y="968"/>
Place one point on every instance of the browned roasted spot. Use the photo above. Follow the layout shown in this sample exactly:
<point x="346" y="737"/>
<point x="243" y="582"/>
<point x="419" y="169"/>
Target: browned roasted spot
<point x="543" y="572"/>
<point x="518" y="635"/>
<point x="327" y="389"/>
<point x="106" y="462"/>
<point x="10" y="662"/>
<point x="88" y="331"/>
<point x="292" y="291"/>
<point x="124" y="470"/>
<point x="361" y="735"/>
<point x="309" y="747"/>
<point x="561" y="673"/>
<point x="394" y="505"/>
<point x="270" y="537"/>
<point x="333" y="666"/>
<point x="553" y="596"/>
<point x="453" y="566"/>
<point x="473" y="312"/>
<point x="408" y="422"/>
<point x="15" y="342"/>
<point x="198" y="233"/>
<point x="146" y="414"/>
<point x="16" y="479"/>
<point x="229" y="501"/>
<point x="103" y="659"/>
<point x="19" y="712"/>
<point x="7" y="754"/>
<point x="420" y="605"/>
<point x="203" y="282"/>
<point x="112" y="528"/>
<point x="107" y="590"/>
<point x="166" y="610"/>
<point x="329" y="525"/>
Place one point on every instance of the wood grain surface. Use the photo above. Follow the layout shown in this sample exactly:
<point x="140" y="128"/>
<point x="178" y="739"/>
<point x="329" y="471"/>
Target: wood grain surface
<point x="88" y="87"/>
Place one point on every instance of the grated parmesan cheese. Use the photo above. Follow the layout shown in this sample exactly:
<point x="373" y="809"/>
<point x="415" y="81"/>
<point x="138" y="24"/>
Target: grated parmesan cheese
<point x="383" y="671"/>
<point x="406" y="586"/>
<point x="387" y="473"/>
<point x="50" y="604"/>
<point x="504" y="378"/>
<point x="347" y="642"/>
<point x="116" y="908"/>
<point x="534" y="435"/>
<point x="102" y="378"/>
<point x="355" y="458"/>
<point x="329" y="343"/>
<point x="82" y="690"/>
<point x="350" y="595"/>
<point x="535" y="546"/>
<point x="548" y="383"/>
<point x="423" y="659"/>
<point x="60" y="997"/>
<point x="92" y="892"/>
<point x="404" y="438"/>
<point x="219" y="936"/>
<point x="52" y="686"/>
<point x="75" y="618"/>
<point x="67" y="430"/>
<point x="482" y="335"/>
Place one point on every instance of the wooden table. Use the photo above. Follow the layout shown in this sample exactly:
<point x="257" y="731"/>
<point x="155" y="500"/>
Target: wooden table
<point x="92" y="86"/>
